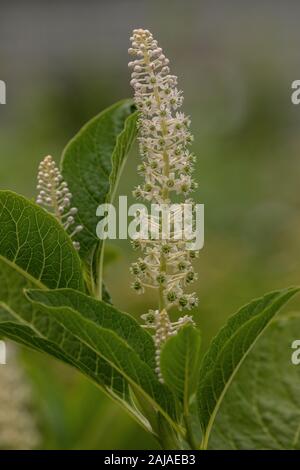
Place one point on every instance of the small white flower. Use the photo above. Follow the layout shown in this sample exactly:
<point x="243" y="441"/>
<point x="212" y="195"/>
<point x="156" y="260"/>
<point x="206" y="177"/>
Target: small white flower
<point x="55" y="196"/>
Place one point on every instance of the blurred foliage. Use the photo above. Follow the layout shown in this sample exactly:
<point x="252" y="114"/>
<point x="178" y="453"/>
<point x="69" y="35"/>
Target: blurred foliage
<point x="248" y="170"/>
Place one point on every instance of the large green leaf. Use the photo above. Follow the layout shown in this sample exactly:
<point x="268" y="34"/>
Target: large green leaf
<point x="107" y="345"/>
<point x="12" y="286"/>
<point x="36" y="252"/>
<point x="229" y="349"/>
<point x="33" y="243"/>
<point x="92" y="164"/>
<point x="180" y="363"/>
<point x="42" y="333"/>
<point x="101" y="314"/>
<point x="261" y="409"/>
<point x="23" y="322"/>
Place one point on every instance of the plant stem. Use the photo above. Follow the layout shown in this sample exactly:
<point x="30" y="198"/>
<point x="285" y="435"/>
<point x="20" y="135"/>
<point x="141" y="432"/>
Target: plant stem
<point x="189" y="433"/>
<point x="166" y="434"/>
<point x="98" y="290"/>
<point x="204" y="442"/>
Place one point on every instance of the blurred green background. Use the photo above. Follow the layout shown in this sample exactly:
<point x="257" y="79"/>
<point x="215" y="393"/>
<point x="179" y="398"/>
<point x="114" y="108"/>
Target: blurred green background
<point x="64" y="61"/>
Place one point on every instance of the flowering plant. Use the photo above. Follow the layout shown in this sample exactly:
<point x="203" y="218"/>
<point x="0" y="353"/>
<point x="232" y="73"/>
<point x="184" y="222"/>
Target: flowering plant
<point x="53" y="297"/>
<point x="167" y="167"/>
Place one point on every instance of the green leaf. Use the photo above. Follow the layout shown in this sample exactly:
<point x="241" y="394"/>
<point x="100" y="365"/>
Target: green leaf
<point x="36" y="252"/>
<point x="101" y="314"/>
<point x="261" y="409"/>
<point x="180" y="363"/>
<point x="42" y="333"/>
<point x="107" y="345"/>
<point x="92" y="164"/>
<point x="12" y="286"/>
<point x="33" y="243"/>
<point x="23" y="322"/>
<point x="229" y="349"/>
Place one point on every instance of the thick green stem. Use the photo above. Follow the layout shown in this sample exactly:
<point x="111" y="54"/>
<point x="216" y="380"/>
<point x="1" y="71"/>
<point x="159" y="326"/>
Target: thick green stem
<point x="100" y="273"/>
<point x="189" y="433"/>
<point x="166" y="435"/>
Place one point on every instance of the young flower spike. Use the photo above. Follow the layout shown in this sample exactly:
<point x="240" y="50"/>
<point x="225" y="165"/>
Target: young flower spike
<point x="167" y="166"/>
<point x="55" y="196"/>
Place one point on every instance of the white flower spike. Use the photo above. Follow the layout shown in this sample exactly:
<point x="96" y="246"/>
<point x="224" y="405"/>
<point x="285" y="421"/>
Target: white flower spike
<point x="55" y="195"/>
<point x="167" y="166"/>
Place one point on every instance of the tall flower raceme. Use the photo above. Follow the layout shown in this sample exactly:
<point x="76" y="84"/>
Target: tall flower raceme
<point x="55" y="196"/>
<point x="164" y="137"/>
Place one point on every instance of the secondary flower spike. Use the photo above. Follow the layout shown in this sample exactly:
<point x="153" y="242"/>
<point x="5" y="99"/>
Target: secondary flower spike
<point x="167" y="167"/>
<point x="55" y="195"/>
